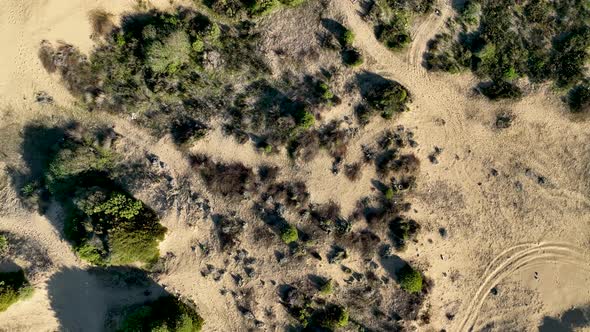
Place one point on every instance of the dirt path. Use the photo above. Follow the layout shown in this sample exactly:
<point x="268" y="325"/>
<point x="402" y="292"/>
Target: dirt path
<point x="425" y="32"/>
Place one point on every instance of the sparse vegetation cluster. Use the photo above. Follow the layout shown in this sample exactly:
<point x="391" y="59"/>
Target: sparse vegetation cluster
<point x="502" y="41"/>
<point x="182" y="74"/>
<point x="104" y="223"/>
<point x="392" y="19"/>
<point x="175" y="73"/>
<point x="240" y="9"/>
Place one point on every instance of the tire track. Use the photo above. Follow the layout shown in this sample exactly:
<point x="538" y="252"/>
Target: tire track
<point x="514" y="259"/>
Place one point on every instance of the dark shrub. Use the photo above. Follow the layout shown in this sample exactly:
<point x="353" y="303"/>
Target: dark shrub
<point x="165" y="314"/>
<point x="388" y="98"/>
<point x="233" y="179"/>
<point x="353" y="171"/>
<point x="228" y="230"/>
<point x="500" y="90"/>
<point x="579" y="98"/>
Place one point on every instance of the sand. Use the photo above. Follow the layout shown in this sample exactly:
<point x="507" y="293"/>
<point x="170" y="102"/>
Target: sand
<point x="527" y="241"/>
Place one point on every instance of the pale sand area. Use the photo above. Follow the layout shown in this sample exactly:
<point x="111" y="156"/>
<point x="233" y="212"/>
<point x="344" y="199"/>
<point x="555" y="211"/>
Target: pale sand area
<point x="501" y="229"/>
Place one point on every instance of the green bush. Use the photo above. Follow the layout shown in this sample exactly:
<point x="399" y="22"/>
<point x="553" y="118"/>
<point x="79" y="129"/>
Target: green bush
<point x="13" y="287"/>
<point x="542" y="40"/>
<point x="165" y="314"/>
<point x="348" y="38"/>
<point x="169" y="55"/>
<point x="500" y="90"/>
<point x="333" y="317"/>
<point x="352" y="57"/>
<point x="118" y="207"/>
<point x="289" y="234"/>
<point x="91" y="254"/>
<point x="304" y="119"/>
<point x="409" y="279"/>
<point x="389" y="99"/>
<point x="105" y="225"/>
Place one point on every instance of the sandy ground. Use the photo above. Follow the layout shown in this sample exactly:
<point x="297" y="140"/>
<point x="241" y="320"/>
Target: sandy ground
<point x="527" y="241"/>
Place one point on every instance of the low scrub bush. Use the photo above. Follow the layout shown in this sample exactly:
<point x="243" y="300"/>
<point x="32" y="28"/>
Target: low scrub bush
<point x="13" y="287"/>
<point x="353" y="171"/>
<point x="292" y="194"/>
<point x="232" y="180"/>
<point x="165" y="314"/>
<point x="228" y="231"/>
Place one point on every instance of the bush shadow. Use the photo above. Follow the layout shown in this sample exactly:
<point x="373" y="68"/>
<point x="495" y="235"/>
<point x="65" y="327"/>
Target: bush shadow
<point x="569" y="321"/>
<point x="91" y="300"/>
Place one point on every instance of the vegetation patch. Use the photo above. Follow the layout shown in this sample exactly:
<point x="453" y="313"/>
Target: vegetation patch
<point x="165" y="314"/>
<point x="104" y="223"/>
<point x="392" y="19"/>
<point x="503" y="41"/>
<point x="14" y="287"/>
<point x="242" y="9"/>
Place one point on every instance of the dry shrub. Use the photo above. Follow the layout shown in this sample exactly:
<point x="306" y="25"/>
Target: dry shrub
<point x="353" y="171"/>
<point x="268" y="173"/>
<point x="334" y="139"/>
<point x="292" y="194"/>
<point x="305" y="147"/>
<point x="364" y="242"/>
<point x="233" y="179"/>
<point x="46" y="54"/>
<point x="389" y="161"/>
<point x="101" y="22"/>
<point x="228" y="230"/>
<point x="72" y="65"/>
<point x="325" y="213"/>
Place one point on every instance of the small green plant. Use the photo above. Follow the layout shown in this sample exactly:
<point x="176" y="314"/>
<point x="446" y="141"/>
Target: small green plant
<point x="289" y="234"/>
<point x="327" y="288"/>
<point x="3" y="244"/>
<point x="28" y="190"/>
<point x="14" y="286"/>
<point x="410" y="279"/>
<point x="389" y="194"/>
<point x="304" y="119"/>
<point x="348" y="38"/>
<point x="325" y="91"/>
<point x="334" y="317"/>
